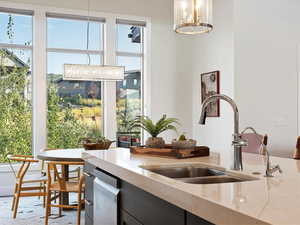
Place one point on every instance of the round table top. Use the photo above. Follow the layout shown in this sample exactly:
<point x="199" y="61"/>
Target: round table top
<point x="68" y="155"/>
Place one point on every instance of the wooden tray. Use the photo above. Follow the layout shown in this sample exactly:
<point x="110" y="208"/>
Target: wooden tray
<point x="169" y="152"/>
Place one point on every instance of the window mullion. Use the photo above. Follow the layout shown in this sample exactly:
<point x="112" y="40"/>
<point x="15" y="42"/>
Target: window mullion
<point x="109" y="98"/>
<point x="39" y="82"/>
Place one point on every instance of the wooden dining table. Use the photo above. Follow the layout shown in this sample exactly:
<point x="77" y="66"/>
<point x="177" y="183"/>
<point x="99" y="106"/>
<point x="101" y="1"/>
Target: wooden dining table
<point x="67" y="155"/>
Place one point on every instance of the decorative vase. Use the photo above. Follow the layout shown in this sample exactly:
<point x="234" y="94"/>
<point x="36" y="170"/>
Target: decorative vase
<point x="297" y="150"/>
<point x="155" y="142"/>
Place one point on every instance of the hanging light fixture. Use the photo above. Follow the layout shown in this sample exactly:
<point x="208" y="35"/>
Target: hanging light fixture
<point x="83" y="72"/>
<point x="193" y="16"/>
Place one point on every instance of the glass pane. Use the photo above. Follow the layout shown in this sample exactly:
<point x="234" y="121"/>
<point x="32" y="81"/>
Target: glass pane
<point x="129" y="100"/>
<point x="74" y="107"/>
<point x="130" y="63"/>
<point x="56" y="60"/>
<point x="60" y="31"/>
<point x="15" y="29"/>
<point x="15" y="104"/>
<point x="129" y="38"/>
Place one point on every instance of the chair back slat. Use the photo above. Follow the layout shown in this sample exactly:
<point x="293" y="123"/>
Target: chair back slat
<point x="26" y="160"/>
<point x="52" y="169"/>
<point x="22" y="171"/>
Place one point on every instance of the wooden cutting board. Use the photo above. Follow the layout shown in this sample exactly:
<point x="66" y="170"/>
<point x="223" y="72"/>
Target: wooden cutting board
<point x="169" y="152"/>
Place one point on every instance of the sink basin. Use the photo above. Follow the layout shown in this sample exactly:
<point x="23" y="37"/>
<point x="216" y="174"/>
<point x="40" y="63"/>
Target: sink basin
<point x="199" y="174"/>
<point x="184" y="172"/>
<point x="212" y="180"/>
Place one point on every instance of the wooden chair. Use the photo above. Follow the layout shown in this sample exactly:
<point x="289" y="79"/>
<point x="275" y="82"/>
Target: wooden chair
<point x="77" y="170"/>
<point x="57" y="184"/>
<point x="255" y="142"/>
<point x="22" y="180"/>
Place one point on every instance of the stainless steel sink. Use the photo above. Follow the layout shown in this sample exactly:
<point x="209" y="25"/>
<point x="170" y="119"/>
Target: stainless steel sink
<point x="198" y="175"/>
<point x="184" y="172"/>
<point x="212" y="180"/>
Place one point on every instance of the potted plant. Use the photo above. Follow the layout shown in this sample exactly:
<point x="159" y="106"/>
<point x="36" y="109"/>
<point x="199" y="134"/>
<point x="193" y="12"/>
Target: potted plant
<point x="154" y="129"/>
<point x="183" y="143"/>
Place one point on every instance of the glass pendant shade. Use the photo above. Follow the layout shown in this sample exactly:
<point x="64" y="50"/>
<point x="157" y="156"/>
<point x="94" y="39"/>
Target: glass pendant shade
<point x="193" y="16"/>
<point x="80" y="72"/>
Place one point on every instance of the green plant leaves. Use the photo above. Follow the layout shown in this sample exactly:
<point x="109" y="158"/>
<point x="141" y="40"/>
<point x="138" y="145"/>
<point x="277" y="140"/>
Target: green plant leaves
<point x="159" y="127"/>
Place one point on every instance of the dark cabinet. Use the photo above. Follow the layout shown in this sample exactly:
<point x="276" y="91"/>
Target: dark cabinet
<point x="89" y="192"/>
<point x="134" y="205"/>
<point x="147" y="208"/>
<point x="195" y="220"/>
<point x="88" y="220"/>
<point x="126" y="219"/>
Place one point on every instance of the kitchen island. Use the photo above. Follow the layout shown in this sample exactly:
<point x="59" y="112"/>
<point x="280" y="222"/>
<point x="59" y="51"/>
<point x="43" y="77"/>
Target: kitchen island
<point x="145" y="196"/>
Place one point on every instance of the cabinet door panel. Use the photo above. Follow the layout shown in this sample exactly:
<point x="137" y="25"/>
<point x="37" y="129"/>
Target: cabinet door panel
<point x="194" y="220"/>
<point x="127" y="219"/>
<point x="88" y="220"/>
<point x="89" y="185"/>
<point x="149" y="209"/>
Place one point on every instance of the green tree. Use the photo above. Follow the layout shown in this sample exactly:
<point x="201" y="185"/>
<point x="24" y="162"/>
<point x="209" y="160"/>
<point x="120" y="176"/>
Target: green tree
<point x="15" y="109"/>
<point x="64" y="130"/>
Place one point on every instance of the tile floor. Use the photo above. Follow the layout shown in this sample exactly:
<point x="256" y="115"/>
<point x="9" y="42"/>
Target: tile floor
<point x="31" y="212"/>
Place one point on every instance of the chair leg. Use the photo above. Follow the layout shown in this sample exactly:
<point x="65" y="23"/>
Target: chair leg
<point x="78" y="174"/>
<point x="16" y="204"/>
<point x="60" y="203"/>
<point x="55" y="191"/>
<point x="14" y="199"/>
<point x="48" y="202"/>
<point x="44" y="196"/>
<point x="79" y="208"/>
<point x="41" y="185"/>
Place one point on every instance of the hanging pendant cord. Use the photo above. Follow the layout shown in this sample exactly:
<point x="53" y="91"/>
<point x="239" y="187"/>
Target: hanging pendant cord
<point x="88" y="34"/>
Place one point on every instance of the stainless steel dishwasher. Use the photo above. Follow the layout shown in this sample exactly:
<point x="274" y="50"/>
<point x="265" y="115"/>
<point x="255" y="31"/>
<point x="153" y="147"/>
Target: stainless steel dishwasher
<point x="106" y="198"/>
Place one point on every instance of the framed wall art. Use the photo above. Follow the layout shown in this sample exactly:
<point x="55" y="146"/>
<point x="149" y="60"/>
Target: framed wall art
<point x="210" y="85"/>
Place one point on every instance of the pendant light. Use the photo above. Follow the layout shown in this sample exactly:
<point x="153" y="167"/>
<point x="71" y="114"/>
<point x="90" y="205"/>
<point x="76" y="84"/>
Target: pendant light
<point x="192" y="16"/>
<point x="83" y="72"/>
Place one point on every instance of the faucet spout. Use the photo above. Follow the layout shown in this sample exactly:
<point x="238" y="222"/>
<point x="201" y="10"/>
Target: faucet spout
<point x="237" y="140"/>
<point x="214" y="98"/>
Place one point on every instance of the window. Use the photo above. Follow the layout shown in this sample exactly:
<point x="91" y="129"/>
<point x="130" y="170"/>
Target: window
<point x="130" y="53"/>
<point x="67" y="110"/>
<point x="15" y="84"/>
<point x="74" y="107"/>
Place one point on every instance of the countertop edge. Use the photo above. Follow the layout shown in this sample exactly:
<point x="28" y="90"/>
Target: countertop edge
<point x="194" y="204"/>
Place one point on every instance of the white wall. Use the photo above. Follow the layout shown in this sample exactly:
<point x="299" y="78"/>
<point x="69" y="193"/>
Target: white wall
<point x="212" y="52"/>
<point x="167" y="81"/>
<point x="255" y="45"/>
<point x="267" y="36"/>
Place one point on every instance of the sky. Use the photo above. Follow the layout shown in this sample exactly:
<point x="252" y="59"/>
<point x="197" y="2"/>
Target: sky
<point x="68" y="34"/>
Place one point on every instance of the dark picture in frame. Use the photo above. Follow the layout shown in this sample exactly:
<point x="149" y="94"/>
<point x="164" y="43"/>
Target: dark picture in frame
<point x="210" y="85"/>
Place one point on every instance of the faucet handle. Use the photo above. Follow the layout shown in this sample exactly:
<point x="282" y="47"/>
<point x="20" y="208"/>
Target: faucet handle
<point x="240" y="142"/>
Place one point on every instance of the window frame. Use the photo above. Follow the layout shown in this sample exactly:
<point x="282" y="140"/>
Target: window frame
<point x="26" y="48"/>
<point x="39" y="66"/>
<point x="142" y="56"/>
<point x="99" y="52"/>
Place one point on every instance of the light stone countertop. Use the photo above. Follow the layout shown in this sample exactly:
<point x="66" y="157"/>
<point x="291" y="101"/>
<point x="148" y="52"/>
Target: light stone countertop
<point x="265" y="201"/>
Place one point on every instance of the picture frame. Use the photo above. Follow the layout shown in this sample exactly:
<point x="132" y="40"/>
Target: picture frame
<point x="210" y="85"/>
